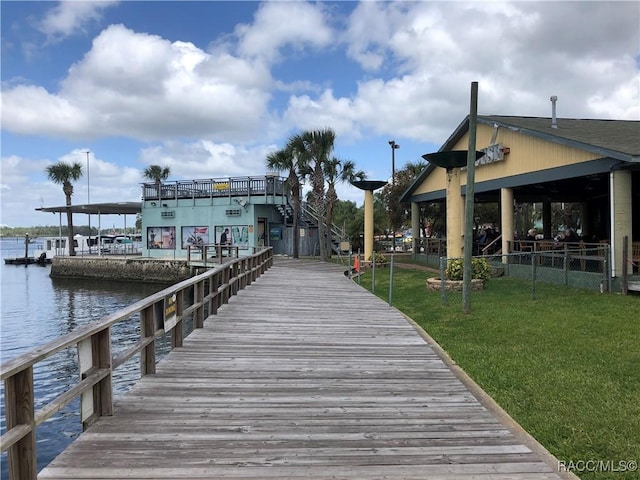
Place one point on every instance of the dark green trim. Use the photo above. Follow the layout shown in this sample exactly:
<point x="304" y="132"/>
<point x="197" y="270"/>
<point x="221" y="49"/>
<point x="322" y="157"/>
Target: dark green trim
<point x="429" y="197"/>
<point x="602" y="165"/>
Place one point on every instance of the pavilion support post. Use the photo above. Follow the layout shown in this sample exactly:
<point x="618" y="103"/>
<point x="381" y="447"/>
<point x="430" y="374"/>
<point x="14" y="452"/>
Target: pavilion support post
<point x="415" y="228"/>
<point x="506" y="221"/>
<point x="546" y="219"/>
<point x="454" y="214"/>
<point x="368" y="225"/>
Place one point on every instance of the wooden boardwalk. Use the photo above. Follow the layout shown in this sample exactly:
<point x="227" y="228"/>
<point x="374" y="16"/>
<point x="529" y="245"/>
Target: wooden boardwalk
<point x="303" y="375"/>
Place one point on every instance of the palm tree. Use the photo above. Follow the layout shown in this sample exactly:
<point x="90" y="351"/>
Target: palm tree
<point x="63" y="173"/>
<point x="288" y="160"/>
<point x="157" y="174"/>
<point x="337" y="171"/>
<point x="317" y="147"/>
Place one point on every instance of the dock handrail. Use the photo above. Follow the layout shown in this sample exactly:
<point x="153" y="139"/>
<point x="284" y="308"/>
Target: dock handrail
<point x="159" y="313"/>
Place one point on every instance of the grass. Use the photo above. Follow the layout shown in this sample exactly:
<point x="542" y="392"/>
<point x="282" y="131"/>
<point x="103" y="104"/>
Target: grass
<point x="565" y="366"/>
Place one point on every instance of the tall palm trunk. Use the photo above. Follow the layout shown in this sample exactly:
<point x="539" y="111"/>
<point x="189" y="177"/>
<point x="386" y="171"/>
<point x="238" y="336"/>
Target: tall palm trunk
<point x="295" y="203"/>
<point x="332" y="199"/>
<point x="68" y="191"/>
<point x="320" y="208"/>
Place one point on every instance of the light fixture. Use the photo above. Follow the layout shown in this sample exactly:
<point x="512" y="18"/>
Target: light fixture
<point x="242" y="202"/>
<point x="153" y="204"/>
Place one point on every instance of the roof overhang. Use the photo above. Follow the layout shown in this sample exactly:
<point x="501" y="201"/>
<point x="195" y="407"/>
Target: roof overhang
<point x="117" y="208"/>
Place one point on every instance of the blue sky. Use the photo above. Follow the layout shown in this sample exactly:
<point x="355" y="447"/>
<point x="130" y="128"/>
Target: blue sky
<point x="211" y="88"/>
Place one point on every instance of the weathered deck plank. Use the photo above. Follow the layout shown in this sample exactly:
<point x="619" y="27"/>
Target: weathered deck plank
<point x="303" y="375"/>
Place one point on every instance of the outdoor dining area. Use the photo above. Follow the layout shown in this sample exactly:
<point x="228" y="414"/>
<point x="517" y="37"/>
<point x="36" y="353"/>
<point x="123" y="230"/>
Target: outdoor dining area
<point x="580" y="255"/>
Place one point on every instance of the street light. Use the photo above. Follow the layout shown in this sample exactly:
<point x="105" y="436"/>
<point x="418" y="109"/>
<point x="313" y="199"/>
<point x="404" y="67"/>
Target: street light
<point x="394" y="146"/>
<point x="88" y="199"/>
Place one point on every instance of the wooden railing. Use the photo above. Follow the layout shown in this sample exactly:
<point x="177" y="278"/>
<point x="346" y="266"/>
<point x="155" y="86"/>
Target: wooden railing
<point x="216" y="187"/>
<point x="158" y="314"/>
<point x="210" y="253"/>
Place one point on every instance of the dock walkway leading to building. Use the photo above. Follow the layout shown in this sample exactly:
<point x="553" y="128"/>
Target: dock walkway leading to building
<point x="303" y="375"/>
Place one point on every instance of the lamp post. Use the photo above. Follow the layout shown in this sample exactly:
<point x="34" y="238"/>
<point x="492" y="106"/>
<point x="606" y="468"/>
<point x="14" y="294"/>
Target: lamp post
<point x="394" y="146"/>
<point x="88" y="199"/>
<point x="88" y="190"/>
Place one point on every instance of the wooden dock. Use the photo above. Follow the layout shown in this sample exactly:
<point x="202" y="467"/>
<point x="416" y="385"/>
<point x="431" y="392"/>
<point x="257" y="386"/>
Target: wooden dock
<point x="303" y="375"/>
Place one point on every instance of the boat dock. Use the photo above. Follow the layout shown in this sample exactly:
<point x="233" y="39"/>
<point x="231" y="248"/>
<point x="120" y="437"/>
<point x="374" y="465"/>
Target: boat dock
<point x="304" y="375"/>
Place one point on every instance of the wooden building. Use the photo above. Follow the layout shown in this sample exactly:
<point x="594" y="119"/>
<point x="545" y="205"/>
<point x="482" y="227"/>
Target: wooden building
<point x="595" y="163"/>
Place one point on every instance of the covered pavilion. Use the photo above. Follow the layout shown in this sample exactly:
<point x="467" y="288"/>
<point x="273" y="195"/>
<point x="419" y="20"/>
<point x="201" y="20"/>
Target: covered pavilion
<point x="595" y="163"/>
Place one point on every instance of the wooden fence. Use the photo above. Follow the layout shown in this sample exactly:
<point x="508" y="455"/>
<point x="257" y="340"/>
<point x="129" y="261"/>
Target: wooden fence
<point x="158" y="314"/>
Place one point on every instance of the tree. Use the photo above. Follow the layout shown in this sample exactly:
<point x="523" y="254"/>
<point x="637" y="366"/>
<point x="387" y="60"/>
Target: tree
<point x="288" y="160"/>
<point x="337" y="171"/>
<point x="63" y="174"/>
<point x="350" y="219"/>
<point x="157" y="174"/>
<point x="309" y="154"/>
<point x="400" y="213"/>
<point x="316" y="148"/>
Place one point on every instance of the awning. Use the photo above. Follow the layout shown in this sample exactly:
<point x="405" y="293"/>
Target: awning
<point x="117" y="208"/>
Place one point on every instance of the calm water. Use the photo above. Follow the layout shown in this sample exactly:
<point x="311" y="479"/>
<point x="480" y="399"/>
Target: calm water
<point x="36" y="309"/>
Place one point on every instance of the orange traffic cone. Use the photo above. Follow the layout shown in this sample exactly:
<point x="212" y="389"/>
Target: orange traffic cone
<point x="356" y="264"/>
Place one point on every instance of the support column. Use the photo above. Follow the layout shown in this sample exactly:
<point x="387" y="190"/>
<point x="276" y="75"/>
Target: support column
<point x="506" y="221"/>
<point x="368" y="186"/>
<point x="546" y="219"/>
<point x="368" y="224"/>
<point x="585" y="219"/>
<point x="454" y="214"/>
<point x="415" y="228"/>
<point x="621" y="221"/>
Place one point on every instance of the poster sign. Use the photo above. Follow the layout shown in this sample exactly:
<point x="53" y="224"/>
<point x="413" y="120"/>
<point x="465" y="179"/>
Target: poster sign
<point x="170" y="312"/>
<point x="161" y="237"/>
<point x="275" y="233"/>
<point x="236" y="235"/>
<point x="194" y="236"/>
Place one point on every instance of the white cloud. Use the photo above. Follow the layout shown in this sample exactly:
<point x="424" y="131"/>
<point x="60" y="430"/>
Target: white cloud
<point x="217" y="112"/>
<point x="519" y="52"/>
<point x="277" y="25"/>
<point x="203" y="159"/>
<point x="142" y="86"/>
<point x="69" y="17"/>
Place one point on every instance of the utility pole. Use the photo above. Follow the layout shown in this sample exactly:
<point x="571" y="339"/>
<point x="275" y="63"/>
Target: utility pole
<point x="469" y="201"/>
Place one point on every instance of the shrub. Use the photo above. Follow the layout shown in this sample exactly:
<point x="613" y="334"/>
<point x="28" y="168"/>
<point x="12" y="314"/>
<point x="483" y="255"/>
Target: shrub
<point x="380" y="258"/>
<point x="480" y="269"/>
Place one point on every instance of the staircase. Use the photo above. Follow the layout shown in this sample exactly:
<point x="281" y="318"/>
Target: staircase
<point x="310" y="218"/>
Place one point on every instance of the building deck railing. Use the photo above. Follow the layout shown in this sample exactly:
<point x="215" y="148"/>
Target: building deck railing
<point x="214" y="188"/>
<point x="161" y="313"/>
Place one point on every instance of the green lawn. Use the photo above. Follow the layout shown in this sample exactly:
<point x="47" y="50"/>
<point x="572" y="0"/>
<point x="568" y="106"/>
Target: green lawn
<point x="565" y="366"/>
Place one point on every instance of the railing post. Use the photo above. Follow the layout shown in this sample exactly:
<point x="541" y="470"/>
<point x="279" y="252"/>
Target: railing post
<point x="567" y="262"/>
<point x="226" y="275"/>
<point x="19" y="404"/>
<point x="198" y="299"/>
<point x="102" y="358"/>
<point x="214" y="286"/>
<point x="94" y="353"/>
<point x="177" y="335"/>
<point x="147" y="329"/>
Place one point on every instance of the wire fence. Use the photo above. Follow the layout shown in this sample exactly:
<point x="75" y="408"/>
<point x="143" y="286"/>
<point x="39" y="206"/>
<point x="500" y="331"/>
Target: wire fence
<point x="585" y="268"/>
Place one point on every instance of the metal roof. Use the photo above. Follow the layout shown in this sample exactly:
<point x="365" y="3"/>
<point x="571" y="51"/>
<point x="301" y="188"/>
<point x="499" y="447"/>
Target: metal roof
<point x="115" y="208"/>
<point x="613" y="139"/>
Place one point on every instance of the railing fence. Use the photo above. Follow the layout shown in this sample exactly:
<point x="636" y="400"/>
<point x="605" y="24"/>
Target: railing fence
<point x="162" y="312"/>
